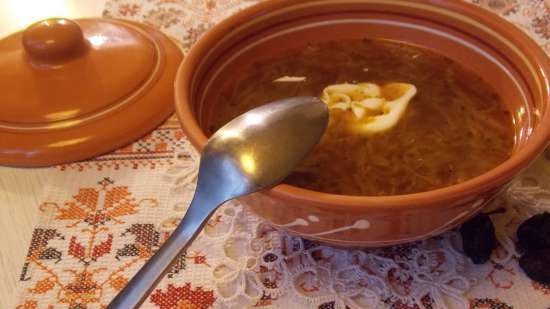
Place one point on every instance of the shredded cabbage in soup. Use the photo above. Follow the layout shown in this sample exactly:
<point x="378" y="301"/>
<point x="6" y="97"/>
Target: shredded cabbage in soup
<point x="402" y="119"/>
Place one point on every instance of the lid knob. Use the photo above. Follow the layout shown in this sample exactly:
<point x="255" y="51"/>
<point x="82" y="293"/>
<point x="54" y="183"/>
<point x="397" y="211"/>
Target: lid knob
<point x="53" y="39"/>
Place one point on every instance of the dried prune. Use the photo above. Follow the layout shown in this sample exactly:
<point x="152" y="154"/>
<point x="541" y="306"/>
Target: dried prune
<point x="478" y="238"/>
<point x="534" y="233"/>
<point x="535" y="263"/>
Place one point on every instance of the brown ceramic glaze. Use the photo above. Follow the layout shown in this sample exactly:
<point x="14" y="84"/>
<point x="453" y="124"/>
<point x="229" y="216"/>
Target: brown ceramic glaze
<point x="53" y="39"/>
<point x="75" y="89"/>
<point x="513" y="64"/>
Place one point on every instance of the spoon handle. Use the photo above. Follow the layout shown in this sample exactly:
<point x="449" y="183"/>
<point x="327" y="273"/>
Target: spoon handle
<point x="141" y="285"/>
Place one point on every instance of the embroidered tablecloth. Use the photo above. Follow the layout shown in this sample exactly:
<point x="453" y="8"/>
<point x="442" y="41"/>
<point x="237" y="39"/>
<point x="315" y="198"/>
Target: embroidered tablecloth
<point x="102" y="219"/>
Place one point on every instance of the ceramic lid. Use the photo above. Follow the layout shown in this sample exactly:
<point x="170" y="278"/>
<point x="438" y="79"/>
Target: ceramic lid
<point x="73" y="89"/>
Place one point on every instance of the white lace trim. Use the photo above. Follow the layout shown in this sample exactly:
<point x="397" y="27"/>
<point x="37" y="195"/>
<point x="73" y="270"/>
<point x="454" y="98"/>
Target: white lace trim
<point x="256" y="263"/>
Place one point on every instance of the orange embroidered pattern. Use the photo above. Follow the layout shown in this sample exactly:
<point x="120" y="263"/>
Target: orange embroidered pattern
<point x="154" y="151"/>
<point x="91" y="217"/>
<point x="183" y="298"/>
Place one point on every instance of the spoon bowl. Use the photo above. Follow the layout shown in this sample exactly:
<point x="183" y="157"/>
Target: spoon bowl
<point x="260" y="148"/>
<point x="253" y="152"/>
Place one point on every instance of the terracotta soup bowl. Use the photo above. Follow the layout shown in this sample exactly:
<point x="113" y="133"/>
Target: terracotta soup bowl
<point x="505" y="57"/>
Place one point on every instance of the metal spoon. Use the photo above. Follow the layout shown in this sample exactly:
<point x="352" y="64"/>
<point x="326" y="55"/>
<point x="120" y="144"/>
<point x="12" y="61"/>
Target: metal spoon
<point x="253" y="152"/>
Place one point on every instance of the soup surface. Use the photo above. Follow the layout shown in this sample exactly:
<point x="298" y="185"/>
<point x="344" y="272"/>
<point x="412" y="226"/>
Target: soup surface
<point x="453" y="129"/>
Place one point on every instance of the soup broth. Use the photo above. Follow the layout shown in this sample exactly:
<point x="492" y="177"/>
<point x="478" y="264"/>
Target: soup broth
<point x="453" y="129"/>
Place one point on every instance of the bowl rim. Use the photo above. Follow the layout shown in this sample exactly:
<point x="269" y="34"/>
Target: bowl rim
<point x="493" y="178"/>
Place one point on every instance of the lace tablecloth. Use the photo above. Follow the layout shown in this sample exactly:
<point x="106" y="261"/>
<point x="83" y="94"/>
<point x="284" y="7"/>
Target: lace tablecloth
<point x="102" y="219"/>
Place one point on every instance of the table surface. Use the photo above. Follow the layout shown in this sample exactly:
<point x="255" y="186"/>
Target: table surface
<point x="20" y="188"/>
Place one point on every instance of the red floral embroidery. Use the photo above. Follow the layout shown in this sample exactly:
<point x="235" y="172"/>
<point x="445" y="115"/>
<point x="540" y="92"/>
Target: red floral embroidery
<point x="32" y="304"/>
<point x="83" y="288"/>
<point x="427" y="303"/>
<point x="197" y="257"/>
<point x="85" y="207"/>
<point x="155" y="150"/>
<point x="91" y="213"/>
<point x="128" y="9"/>
<point x="265" y="301"/>
<point x="487" y="303"/>
<point x="183" y="297"/>
<point x="541" y="25"/>
<point x="163" y="17"/>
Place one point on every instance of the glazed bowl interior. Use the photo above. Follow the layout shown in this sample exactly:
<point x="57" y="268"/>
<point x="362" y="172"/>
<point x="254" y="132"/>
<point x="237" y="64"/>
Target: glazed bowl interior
<point x="491" y="48"/>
